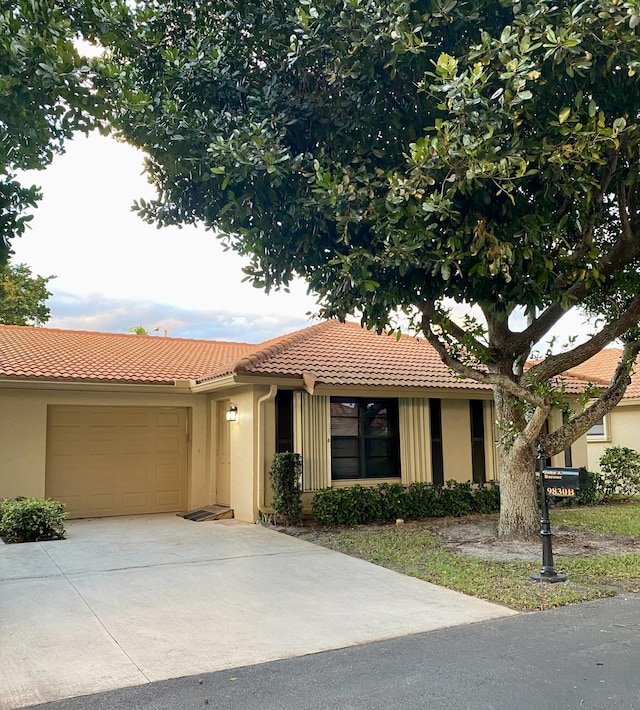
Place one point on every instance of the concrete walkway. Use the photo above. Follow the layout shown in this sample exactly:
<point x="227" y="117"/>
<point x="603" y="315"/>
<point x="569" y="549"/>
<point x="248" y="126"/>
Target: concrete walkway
<point x="128" y="601"/>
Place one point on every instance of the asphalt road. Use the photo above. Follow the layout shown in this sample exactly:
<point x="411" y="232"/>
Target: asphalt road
<point x="584" y="656"/>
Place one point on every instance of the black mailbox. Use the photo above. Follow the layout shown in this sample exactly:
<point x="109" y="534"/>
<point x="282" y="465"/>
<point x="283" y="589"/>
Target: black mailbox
<point x="564" y="482"/>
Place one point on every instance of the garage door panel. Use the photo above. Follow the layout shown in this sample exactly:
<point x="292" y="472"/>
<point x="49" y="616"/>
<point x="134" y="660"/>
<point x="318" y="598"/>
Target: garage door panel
<point x="165" y="472"/>
<point x="167" y="419"/>
<point x="69" y="419"/>
<point x="139" y="444"/>
<point x="116" y="460"/>
<point x="168" y="445"/>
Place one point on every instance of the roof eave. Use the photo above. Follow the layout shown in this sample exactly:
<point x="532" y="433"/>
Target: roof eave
<point x="181" y="386"/>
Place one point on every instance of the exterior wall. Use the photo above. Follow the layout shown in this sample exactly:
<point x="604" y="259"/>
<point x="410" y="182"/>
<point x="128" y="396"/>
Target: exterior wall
<point x="252" y="442"/>
<point x="269" y="428"/>
<point x="579" y="453"/>
<point x="243" y="452"/>
<point x="415" y="442"/>
<point x="456" y="440"/>
<point x="23" y="435"/>
<point x="622" y="428"/>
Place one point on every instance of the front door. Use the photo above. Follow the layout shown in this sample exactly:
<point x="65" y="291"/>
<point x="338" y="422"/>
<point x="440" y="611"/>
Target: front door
<point x="223" y="454"/>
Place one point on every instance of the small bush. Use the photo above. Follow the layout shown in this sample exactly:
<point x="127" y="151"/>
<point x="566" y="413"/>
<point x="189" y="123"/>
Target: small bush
<point x="31" y="520"/>
<point x="286" y="481"/>
<point x="620" y="472"/>
<point x="589" y="494"/>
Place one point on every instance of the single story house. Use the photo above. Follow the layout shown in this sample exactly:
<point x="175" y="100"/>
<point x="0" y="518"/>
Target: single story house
<point x="118" y="424"/>
<point x="621" y="426"/>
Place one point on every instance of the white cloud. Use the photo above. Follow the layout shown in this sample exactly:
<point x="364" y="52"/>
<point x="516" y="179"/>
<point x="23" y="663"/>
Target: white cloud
<point x="114" y="271"/>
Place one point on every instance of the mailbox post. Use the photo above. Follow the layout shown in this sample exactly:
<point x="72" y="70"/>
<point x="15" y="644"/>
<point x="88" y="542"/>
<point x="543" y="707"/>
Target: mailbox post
<point x="547" y="572"/>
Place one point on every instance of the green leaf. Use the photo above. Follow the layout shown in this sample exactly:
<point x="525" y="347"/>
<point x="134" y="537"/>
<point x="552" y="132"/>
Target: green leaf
<point x="564" y="114"/>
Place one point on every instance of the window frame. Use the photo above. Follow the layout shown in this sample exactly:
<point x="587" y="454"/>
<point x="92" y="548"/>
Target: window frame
<point x="364" y="442"/>
<point x="605" y="431"/>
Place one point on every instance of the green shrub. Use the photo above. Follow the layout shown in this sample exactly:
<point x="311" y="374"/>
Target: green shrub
<point x="486" y="498"/>
<point x="457" y="498"/>
<point x="620" y="472"/>
<point x="31" y="519"/>
<point x="357" y="505"/>
<point x="286" y="481"/>
<point x="590" y="493"/>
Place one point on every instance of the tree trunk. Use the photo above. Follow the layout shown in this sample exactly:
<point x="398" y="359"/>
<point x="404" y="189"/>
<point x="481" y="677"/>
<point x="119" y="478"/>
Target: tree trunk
<point x="519" y="516"/>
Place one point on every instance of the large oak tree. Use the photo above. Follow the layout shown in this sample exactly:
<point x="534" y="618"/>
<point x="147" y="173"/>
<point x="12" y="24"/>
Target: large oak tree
<point x="395" y="154"/>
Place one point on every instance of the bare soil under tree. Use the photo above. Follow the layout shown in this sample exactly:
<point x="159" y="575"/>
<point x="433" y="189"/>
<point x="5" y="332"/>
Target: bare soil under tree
<point x="477" y="536"/>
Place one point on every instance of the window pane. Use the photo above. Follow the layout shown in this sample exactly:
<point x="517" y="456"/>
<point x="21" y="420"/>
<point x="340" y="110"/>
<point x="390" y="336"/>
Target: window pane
<point x="597" y="429"/>
<point x="344" y="427"/>
<point x="382" y="468"/>
<point x="344" y="419"/>
<point x="344" y="446"/>
<point x="377" y="423"/>
<point x="379" y="447"/>
<point x="345" y="468"/>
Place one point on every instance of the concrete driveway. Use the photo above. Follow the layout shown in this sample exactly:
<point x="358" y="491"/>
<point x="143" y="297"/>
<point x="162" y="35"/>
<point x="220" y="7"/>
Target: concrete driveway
<point x="127" y="601"/>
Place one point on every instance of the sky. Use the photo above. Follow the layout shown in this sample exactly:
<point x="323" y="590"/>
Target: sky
<point x="115" y="272"/>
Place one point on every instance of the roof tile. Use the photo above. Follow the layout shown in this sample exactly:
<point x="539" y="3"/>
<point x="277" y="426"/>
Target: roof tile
<point x="46" y="353"/>
<point x="601" y="367"/>
<point x="329" y="353"/>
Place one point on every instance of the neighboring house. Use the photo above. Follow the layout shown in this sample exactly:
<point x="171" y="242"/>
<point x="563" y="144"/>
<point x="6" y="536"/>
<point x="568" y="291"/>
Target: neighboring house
<point x="621" y="426"/>
<point x="116" y="424"/>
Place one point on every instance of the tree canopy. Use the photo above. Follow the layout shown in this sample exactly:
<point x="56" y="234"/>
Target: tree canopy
<point x="47" y="92"/>
<point x="398" y="153"/>
<point x="23" y="296"/>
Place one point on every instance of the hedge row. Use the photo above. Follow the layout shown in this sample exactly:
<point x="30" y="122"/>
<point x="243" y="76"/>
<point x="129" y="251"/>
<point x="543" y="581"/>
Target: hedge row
<point x="357" y="505"/>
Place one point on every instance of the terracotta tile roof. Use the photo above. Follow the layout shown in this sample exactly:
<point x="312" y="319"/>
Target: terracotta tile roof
<point x="600" y="369"/>
<point x="330" y="353"/>
<point x="334" y="353"/>
<point x="345" y="354"/>
<point x="43" y="353"/>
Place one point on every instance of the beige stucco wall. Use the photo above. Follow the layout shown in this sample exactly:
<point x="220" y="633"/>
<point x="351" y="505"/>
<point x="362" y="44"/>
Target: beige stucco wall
<point x="23" y="435"/>
<point x="456" y="440"/>
<point x="622" y="428"/>
<point x="269" y="450"/>
<point x="243" y="443"/>
<point x="252" y="442"/>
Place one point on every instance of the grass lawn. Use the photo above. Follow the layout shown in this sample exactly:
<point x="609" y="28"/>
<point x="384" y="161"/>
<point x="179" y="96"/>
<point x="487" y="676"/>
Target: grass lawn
<point x="414" y="549"/>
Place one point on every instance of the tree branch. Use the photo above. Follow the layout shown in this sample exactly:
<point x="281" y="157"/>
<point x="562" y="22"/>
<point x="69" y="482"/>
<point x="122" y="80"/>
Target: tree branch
<point x="530" y="433"/>
<point x="459" y="333"/>
<point x="558" y="440"/>
<point x="556" y="364"/>
<point x="473" y="373"/>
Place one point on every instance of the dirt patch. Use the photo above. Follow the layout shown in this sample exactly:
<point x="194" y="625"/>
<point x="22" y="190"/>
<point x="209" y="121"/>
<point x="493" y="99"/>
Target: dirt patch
<point x="480" y="539"/>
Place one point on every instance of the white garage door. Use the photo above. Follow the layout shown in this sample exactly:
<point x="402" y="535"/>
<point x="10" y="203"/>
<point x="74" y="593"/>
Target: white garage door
<point x="117" y="460"/>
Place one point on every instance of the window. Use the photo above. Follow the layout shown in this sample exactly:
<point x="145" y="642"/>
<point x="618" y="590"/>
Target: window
<point x="364" y="438"/>
<point x="437" y="458"/>
<point x="476" y="410"/>
<point x="598" y="430"/>
<point x="284" y="421"/>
